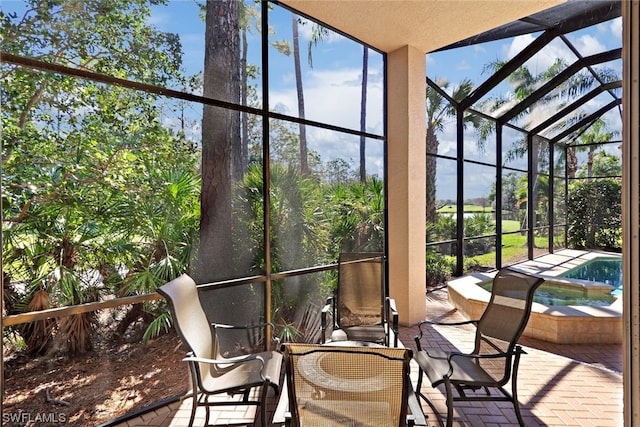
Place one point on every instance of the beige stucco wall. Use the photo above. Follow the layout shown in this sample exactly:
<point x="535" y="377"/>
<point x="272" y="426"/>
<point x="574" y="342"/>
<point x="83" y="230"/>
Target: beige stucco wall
<point x="406" y="157"/>
<point x="427" y="25"/>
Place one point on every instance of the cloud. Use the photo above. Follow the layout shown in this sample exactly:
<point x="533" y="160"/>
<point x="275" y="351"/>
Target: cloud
<point x="463" y="65"/>
<point x="478" y="48"/>
<point x="588" y="45"/>
<point x="333" y="96"/>
<point x="546" y="57"/>
<point x="616" y="28"/>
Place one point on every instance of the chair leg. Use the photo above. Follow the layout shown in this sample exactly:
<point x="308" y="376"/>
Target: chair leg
<point x="207" y="410"/>
<point x="447" y="386"/>
<point x="514" y="390"/>
<point x="514" y="399"/>
<point x="263" y="404"/>
<point x="193" y="379"/>
<point x="193" y="408"/>
<point x="419" y="383"/>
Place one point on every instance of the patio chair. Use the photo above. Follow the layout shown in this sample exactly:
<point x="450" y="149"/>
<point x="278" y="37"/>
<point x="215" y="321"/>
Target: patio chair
<point x="211" y="373"/>
<point x="495" y="357"/>
<point x="347" y="385"/>
<point x="360" y="308"/>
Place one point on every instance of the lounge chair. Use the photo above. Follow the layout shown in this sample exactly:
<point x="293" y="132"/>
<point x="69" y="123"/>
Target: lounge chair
<point x="211" y="373"/>
<point x="360" y="306"/>
<point x="496" y="356"/>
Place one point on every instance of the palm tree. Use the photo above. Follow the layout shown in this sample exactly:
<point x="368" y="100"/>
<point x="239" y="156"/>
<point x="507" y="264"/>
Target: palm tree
<point x="524" y="83"/>
<point x="304" y="167"/>
<point x="439" y="109"/>
<point x="588" y="140"/>
<point x="363" y="113"/>
<point x="318" y="34"/>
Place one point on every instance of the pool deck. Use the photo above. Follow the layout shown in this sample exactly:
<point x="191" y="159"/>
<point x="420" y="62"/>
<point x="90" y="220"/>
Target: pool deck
<point x="555" y="324"/>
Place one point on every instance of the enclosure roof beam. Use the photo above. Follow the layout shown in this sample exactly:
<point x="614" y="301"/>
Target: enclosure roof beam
<point x="573" y="106"/>
<point x="587" y="120"/>
<point x="559" y="79"/>
<point x="508" y="68"/>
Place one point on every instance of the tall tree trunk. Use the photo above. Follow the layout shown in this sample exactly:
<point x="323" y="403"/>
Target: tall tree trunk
<point x="592" y="151"/>
<point x="304" y="167"/>
<point x="432" y="150"/>
<point x="572" y="162"/>
<point x="363" y="114"/>
<point x="244" y="144"/>
<point x="220" y="132"/>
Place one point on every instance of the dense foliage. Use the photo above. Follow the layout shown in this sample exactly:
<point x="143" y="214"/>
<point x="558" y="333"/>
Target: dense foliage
<point x="99" y="198"/>
<point x="595" y="214"/>
<point x="102" y="189"/>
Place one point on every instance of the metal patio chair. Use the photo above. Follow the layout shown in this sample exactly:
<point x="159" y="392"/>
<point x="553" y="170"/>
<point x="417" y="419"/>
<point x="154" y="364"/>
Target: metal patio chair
<point x="360" y="306"/>
<point x="211" y="373"/>
<point x="347" y="385"/>
<point x="495" y="357"/>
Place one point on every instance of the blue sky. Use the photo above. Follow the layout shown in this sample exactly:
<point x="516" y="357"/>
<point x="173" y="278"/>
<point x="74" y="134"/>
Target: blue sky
<point x="469" y="62"/>
<point x="332" y="86"/>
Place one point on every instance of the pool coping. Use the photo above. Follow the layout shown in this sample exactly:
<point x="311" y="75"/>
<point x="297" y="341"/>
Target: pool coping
<point x="556" y="324"/>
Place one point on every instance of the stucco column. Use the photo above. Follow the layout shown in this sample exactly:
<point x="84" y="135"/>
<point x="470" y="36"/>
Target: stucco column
<point x="406" y="182"/>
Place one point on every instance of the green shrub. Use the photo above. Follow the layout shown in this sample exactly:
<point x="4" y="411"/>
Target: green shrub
<point x="594" y="214"/>
<point x="439" y="268"/>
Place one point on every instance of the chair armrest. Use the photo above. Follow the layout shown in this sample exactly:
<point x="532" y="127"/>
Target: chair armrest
<point x="418" y="337"/>
<point x="227" y="362"/>
<point x="226" y="326"/>
<point x="394" y="319"/>
<point x="517" y="351"/>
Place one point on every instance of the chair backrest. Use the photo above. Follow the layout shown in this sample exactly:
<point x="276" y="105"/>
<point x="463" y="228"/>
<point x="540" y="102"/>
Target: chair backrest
<point x="189" y="318"/>
<point x="341" y="385"/>
<point x="505" y="318"/>
<point x="360" y="292"/>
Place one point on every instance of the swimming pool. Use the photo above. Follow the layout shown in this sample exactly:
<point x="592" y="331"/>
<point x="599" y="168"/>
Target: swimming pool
<point x="579" y="322"/>
<point x="580" y="285"/>
<point x="604" y="270"/>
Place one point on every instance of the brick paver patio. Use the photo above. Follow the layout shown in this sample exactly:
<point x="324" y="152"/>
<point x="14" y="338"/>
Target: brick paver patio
<point x="559" y="385"/>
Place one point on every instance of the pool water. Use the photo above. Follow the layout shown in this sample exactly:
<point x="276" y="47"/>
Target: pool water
<point x="551" y="295"/>
<point x="603" y="270"/>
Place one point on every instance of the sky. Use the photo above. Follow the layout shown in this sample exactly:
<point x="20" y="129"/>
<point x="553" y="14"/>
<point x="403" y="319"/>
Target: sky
<point x="332" y="84"/>
<point x="469" y="62"/>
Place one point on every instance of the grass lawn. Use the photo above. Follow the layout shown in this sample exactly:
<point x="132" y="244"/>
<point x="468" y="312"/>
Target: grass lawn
<point x="467" y="209"/>
<point x="513" y="245"/>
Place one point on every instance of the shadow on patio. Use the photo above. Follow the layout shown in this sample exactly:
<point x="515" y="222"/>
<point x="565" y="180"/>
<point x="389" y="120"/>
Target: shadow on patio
<point x="559" y="385"/>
